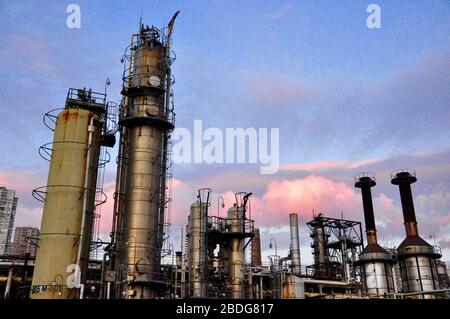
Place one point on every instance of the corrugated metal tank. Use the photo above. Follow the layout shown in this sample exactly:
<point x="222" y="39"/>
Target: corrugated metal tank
<point x="378" y="278"/>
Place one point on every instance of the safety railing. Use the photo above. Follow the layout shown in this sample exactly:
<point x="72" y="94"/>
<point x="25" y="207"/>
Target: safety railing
<point x="159" y="112"/>
<point x="403" y="170"/>
<point x="364" y="174"/>
<point x="85" y="95"/>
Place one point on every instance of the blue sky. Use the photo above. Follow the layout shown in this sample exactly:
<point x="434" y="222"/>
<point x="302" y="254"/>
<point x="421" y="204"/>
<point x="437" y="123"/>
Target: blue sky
<point x="354" y="97"/>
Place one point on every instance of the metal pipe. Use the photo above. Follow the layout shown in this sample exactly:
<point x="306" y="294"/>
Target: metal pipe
<point x="131" y="54"/>
<point x="108" y="290"/>
<point x="102" y="278"/>
<point x="9" y="283"/>
<point x="165" y="137"/>
<point x="295" y="244"/>
<point x="118" y="203"/>
<point x="404" y="179"/>
<point x="81" y="286"/>
<point x="91" y="130"/>
<point x="366" y="182"/>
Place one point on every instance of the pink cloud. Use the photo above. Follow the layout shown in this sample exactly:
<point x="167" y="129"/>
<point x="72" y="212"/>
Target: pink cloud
<point x="29" y="210"/>
<point x="107" y="208"/>
<point x="326" y="165"/>
<point x="305" y="195"/>
<point x="21" y="181"/>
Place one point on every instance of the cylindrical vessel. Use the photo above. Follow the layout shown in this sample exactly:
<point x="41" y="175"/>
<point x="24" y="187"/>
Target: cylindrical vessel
<point x="376" y="271"/>
<point x="375" y="263"/>
<point x="140" y="221"/>
<point x="417" y="258"/>
<point x="7" y="294"/>
<point x="366" y="182"/>
<point x="198" y="277"/>
<point x="256" y="248"/>
<point x="293" y="288"/>
<point x="63" y="209"/>
<point x="144" y="122"/>
<point x="236" y="253"/>
<point x="404" y="179"/>
<point x="320" y="249"/>
<point x="419" y="273"/>
<point x="295" y="244"/>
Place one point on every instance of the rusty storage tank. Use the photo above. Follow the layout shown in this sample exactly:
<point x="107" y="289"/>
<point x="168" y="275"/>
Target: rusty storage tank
<point x="69" y="198"/>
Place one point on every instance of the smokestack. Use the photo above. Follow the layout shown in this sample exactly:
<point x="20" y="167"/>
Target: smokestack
<point x="416" y="257"/>
<point x="295" y="245"/>
<point x="404" y="178"/>
<point x="256" y="248"/>
<point x="366" y="181"/>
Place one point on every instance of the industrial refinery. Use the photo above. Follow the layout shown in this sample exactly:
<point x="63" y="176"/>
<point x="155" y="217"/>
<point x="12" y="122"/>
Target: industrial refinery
<point x="220" y="256"/>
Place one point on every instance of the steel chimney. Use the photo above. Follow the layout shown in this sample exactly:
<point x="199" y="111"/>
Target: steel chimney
<point x="295" y="245"/>
<point x="417" y="258"/>
<point x="374" y="261"/>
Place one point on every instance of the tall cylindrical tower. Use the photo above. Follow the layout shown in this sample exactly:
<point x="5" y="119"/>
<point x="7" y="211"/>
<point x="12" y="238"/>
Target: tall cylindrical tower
<point x="416" y="257"/>
<point x="236" y="252"/>
<point x="374" y="261"/>
<point x="319" y="242"/>
<point x="146" y="120"/>
<point x="69" y="197"/>
<point x="197" y="239"/>
<point x="295" y="244"/>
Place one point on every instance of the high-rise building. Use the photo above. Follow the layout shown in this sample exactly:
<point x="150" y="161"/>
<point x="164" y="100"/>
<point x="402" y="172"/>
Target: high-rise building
<point x="8" y="205"/>
<point x="23" y="239"/>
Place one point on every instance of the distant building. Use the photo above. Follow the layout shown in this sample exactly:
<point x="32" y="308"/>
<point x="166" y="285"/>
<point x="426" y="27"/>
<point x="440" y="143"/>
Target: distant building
<point x="8" y="205"/>
<point x="23" y="239"/>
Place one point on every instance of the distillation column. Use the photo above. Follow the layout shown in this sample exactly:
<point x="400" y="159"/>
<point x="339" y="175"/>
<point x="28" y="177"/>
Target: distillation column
<point x="236" y="257"/>
<point x="416" y="257"/>
<point x="146" y="120"/>
<point x="69" y="198"/>
<point x="198" y="258"/>
<point x="319" y="245"/>
<point x="374" y="261"/>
